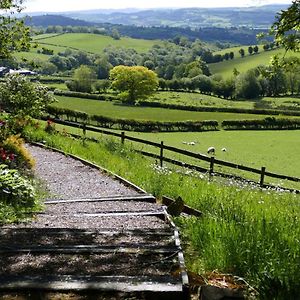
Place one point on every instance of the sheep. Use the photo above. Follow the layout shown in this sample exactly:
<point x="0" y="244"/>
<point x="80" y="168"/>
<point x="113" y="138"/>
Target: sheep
<point x="224" y="150"/>
<point x="211" y="150"/>
<point x="189" y="143"/>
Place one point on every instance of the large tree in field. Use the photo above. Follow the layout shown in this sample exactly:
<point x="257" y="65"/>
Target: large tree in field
<point x="287" y="27"/>
<point x="133" y="83"/>
<point x="14" y="36"/>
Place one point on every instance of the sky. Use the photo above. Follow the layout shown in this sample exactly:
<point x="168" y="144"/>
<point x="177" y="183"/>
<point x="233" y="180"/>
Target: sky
<point x="71" y="5"/>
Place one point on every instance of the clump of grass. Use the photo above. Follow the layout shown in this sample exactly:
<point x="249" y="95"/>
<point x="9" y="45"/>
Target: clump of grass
<point x="244" y="231"/>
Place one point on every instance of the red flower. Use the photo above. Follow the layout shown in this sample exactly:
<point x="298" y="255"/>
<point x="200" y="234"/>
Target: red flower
<point x="12" y="156"/>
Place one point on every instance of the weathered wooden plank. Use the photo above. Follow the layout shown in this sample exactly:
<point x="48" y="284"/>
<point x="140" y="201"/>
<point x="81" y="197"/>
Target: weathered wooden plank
<point x="102" y="231"/>
<point x="146" y="197"/>
<point x="100" y="283"/>
<point x="158" y="213"/>
<point x="80" y="249"/>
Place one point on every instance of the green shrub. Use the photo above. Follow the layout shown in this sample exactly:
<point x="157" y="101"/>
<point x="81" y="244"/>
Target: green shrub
<point x="14" y="189"/>
<point x="269" y="123"/>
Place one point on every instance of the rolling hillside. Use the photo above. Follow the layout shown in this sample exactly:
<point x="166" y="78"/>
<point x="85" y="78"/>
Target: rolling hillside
<point x="93" y="43"/>
<point x="225" y="68"/>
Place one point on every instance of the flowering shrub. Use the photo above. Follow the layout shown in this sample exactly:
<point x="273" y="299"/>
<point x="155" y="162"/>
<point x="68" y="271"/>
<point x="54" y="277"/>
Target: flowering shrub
<point x="14" y="154"/>
<point x="50" y="127"/>
<point x="6" y="156"/>
<point x="15" y="189"/>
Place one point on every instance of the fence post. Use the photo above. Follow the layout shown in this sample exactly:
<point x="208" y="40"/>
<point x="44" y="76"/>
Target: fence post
<point x="122" y="137"/>
<point x="262" y="176"/>
<point x="161" y="158"/>
<point x="211" y="166"/>
<point x="84" y="129"/>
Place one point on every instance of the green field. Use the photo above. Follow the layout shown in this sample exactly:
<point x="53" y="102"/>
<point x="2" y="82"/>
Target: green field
<point x="93" y="43"/>
<point x="32" y="55"/>
<point x="197" y="99"/>
<point x="225" y="68"/>
<point x="118" y="110"/>
<point x="278" y="151"/>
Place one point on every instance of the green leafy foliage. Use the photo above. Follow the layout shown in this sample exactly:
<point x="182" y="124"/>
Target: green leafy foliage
<point x="14" y="36"/>
<point x="21" y="97"/>
<point x="83" y="79"/>
<point x="15" y="189"/>
<point x="133" y="83"/>
<point x="287" y="27"/>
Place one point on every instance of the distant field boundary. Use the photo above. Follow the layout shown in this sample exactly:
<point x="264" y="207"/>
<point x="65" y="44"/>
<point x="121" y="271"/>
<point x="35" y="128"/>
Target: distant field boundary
<point x="269" y="123"/>
<point x="209" y="159"/>
<point x="221" y="109"/>
<point x="104" y="97"/>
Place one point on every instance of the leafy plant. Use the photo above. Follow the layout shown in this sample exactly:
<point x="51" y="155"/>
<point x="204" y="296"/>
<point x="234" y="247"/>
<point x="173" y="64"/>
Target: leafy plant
<point x="14" y="189"/>
<point x="21" y="97"/>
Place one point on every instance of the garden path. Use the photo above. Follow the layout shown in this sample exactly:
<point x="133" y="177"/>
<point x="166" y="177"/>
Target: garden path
<point x="96" y="233"/>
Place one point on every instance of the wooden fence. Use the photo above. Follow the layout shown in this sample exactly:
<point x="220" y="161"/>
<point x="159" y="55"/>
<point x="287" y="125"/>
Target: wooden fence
<point x="209" y="159"/>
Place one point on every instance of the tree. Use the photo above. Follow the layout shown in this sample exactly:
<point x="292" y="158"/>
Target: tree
<point x="292" y="71"/>
<point x="14" y="36"/>
<point x="133" y="83"/>
<point x="247" y="85"/>
<point x="286" y="28"/>
<point x="250" y="50"/>
<point x="203" y="83"/>
<point x="242" y="52"/>
<point x="226" y="56"/>
<point x="115" y="34"/>
<point x="103" y="67"/>
<point x="22" y="98"/>
<point x="84" y="77"/>
<point x="102" y="85"/>
<point x="266" y="47"/>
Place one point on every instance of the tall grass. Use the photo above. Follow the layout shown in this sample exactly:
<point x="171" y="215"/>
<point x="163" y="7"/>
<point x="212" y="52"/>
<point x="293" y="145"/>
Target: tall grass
<point x="245" y="231"/>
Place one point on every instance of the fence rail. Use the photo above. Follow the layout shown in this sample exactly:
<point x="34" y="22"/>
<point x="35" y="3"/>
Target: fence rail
<point x="162" y="158"/>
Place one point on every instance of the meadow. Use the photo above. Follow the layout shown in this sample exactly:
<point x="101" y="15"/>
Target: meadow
<point x="242" y="64"/>
<point x="249" y="148"/>
<point x="197" y="99"/>
<point x="33" y="54"/>
<point x="278" y="151"/>
<point x="94" y="43"/>
<point x="119" y="110"/>
<point x="244" y="231"/>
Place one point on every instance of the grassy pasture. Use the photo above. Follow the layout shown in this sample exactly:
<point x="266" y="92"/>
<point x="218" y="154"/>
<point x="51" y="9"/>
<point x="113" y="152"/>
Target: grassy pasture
<point x="117" y="110"/>
<point x="196" y="99"/>
<point x="225" y="68"/>
<point x="278" y="151"/>
<point x="32" y="55"/>
<point x="94" y="43"/>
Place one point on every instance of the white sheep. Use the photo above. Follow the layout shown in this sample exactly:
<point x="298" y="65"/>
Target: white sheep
<point x="224" y="150"/>
<point x="211" y="150"/>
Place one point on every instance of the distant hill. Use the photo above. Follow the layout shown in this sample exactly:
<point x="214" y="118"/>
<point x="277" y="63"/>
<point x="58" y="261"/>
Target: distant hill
<point x="253" y="17"/>
<point x="232" y="35"/>
<point x="55" y="20"/>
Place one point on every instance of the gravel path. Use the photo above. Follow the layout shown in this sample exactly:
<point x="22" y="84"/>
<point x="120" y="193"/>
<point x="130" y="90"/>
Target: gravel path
<point x="81" y="226"/>
<point x="67" y="178"/>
